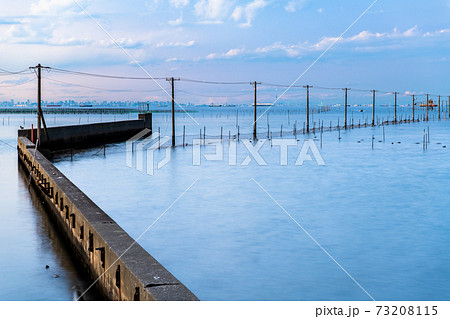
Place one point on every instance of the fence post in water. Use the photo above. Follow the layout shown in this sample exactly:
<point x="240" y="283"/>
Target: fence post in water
<point x="221" y="132"/>
<point x="184" y="135"/>
<point x="255" y="84"/>
<point x="159" y="138"/>
<point x="448" y="106"/>
<point x="373" y="107"/>
<point x="172" y="82"/>
<point x="321" y="137"/>
<point x="439" y="107"/>
<point x="423" y="140"/>
<point x="395" y="107"/>
<point x="345" y="120"/>
<point x="307" y="106"/>
<point x="373" y="137"/>
<point x="413" y="104"/>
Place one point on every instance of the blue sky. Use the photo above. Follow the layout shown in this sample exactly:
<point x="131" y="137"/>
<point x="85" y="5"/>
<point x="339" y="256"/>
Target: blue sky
<point x="398" y="45"/>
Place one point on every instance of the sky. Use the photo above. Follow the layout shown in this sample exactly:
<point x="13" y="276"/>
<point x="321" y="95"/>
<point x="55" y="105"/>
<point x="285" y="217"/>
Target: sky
<point x="398" y="45"/>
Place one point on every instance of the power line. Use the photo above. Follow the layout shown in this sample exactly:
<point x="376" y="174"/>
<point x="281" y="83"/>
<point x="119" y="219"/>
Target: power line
<point x="213" y="82"/>
<point x="217" y="96"/>
<point x="19" y="84"/>
<point x="266" y="84"/>
<point x="103" y="75"/>
<point x="101" y="89"/>
<point x="6" y="72"/>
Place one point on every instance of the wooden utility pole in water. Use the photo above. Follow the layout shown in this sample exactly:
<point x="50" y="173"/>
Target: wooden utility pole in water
<point x="373" y="107"/>
<point x="395" y="107"/>
<point x="307" y="106"/>
<point x="428" y="103"/>
<point x="172" y="82"/>
<point x="345" y="120"/>
<point x="414" y="104"/>
<point x="40" y="116"/>
<point x="439" y="107"/>
<point x="39" y="98"/>
<point x="255" y="84"/>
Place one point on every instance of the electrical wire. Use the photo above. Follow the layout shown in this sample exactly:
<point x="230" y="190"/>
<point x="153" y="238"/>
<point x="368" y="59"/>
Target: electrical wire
<point x="103" y="75"/>
<point x="101" y="89"/>
<point x="19" y="84"/>
<point x="213" y="82"/>
<point x="4" y="72"/>
<point x="217" y="96"/>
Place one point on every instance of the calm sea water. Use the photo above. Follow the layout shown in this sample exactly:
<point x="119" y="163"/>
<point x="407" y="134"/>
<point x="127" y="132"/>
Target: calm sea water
<point x="29" y="240"/>
<point x="380" y="213"/>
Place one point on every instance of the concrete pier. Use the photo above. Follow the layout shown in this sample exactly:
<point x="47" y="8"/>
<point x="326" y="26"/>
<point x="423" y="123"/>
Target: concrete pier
<point x="125" y="271"/>
<point x="89" y="135"/>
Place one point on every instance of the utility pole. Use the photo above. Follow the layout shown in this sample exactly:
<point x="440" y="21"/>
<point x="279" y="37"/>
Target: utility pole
<point x="255" y="84"/>
<point x="439" y="107"/>
<point x="39" y="106"/>
<point x="307" y="106"/>
<point x="373" y="107"/>
<point x="414" y="104"/>
<point x="428" y="103"/>
<point x="40" y="116"/>
<point x="395" y="107"/>
<point x="172" y="82"/>
<point x="345" y="122"/>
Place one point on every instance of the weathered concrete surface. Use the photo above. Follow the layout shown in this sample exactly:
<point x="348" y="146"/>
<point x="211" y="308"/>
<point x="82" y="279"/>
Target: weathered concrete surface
<point x="106" y="251"/>
<point x="89" y="135"/>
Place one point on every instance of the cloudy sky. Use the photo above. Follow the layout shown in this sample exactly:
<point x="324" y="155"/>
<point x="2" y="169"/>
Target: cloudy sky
<point x="398" y="45"/>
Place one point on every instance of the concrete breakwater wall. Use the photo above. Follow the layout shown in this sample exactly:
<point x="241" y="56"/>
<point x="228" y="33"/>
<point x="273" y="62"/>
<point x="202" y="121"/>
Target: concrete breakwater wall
<point x="125" y="270"/>
<point x="89" y="135"/>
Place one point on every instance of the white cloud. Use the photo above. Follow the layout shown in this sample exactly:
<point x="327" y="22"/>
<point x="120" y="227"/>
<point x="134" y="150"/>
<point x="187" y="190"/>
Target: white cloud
<point x="292" y="50"/>
<point x="234" y="52"/>
<point x="229" y="54"/>
<point x="176" y="44"/>
<point x="408" y="33"/>
<point x="179" y="3"/>
<point x="177" y="21"/>
<point x="212" y="9"/>
<point x="53" y="7"/>
<point x="248" y="12"/>
<point x="174" y="60"/>
<point x="295" y="50"/>
<point x="437" y="33"/>
<point x="294" y="6"/>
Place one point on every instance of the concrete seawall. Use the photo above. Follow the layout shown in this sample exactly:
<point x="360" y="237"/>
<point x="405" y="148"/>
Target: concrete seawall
<point x="89" y="135"/>
<point x="125" y="270"/>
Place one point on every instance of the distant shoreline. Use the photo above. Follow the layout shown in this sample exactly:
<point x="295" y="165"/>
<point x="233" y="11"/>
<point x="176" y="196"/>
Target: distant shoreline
<point x="80" y="110"/>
